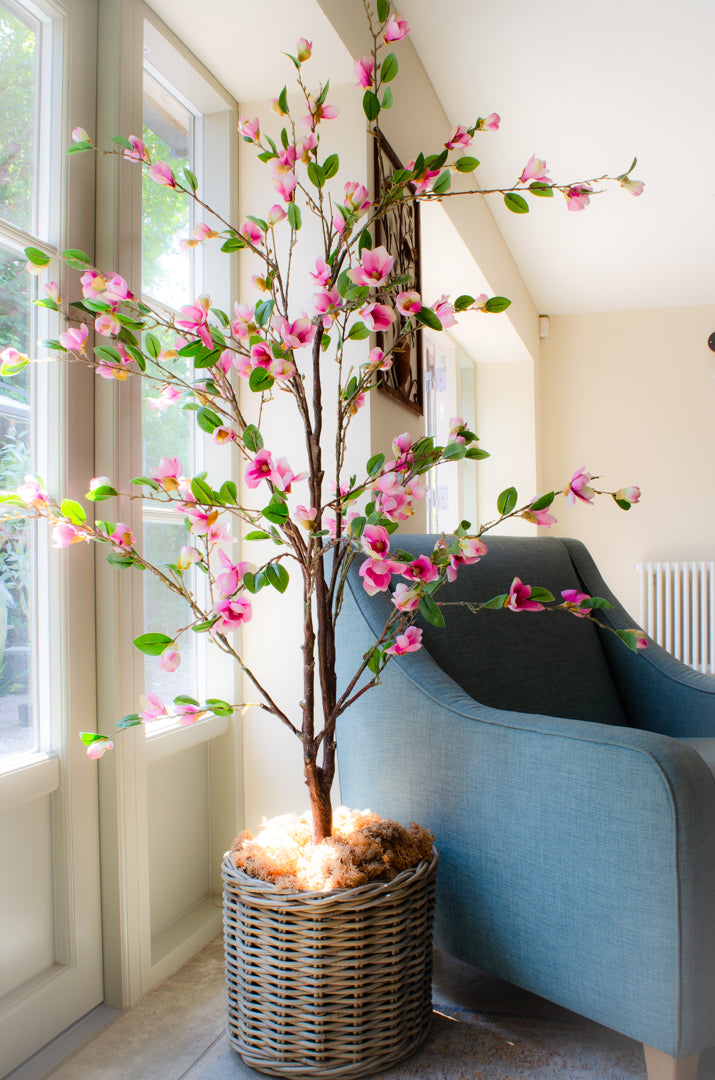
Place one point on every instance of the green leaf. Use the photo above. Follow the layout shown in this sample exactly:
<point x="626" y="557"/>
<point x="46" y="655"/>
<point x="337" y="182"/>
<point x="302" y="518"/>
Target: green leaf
<point x="122" y="140"/>
<point x="202" y="627"/>
<point x="252" y="439"/>
<point x="375" y="464"/>
<point x="295" y="218"/>
<point x="374" y="661"/>
<point x="543" y="502"/>
<point x="234" y="243"/>
<point x="623" y="503"/>
<point x="257" y="534"/>
<point x="475" y="454"/>
<point x="507" y="501"/>
<point x="371" y="105"/>
<point x="541" y="189"/>
<point x="542" y="596"/>
<point x="463" y="302"/>
<point x="146" y="481"/>
<point x="331" y="166"/>
<point x="389" y="68"/>
<point x="466" y="164"/>
<point x="496" y="304"/>
<point x="202" y="491"/>
<point x="153" y="644"/>
<point x="383" y="10"/>
<point x="15" y="367"/>
<point x="220" y="315"/>
<point x="595" y="602"/>
<point x="497" y="602"/>
<point x="77" y="259"/>
<point x="132" y="720"/>
<point x="316" y="174"/>
<point x="629" y="639"/>
<point x="253" y="582"/>
<point x="89" y="737"/>
<point x="358" y="331"/>
<point x="101" y="493"/>
<point x="106" y="352"/>
<point x="387" y="98"/>
<point x="184" y="699"/>
<point x="276" y="511"/>
<point x="260" y="380"/>
<point x="431" y="612"/>
<point x="228" y="492"/>
<point x="428" y="318"/>
<point x="191" y="179"/>
<point x="46" y="303"/>
<point x="207" y="420"/>
<point x="264" y="310"/>
<point x="357" y="526"/>
<point x="516" y="203"/>
<point x="80" y="147"/>
<point x="442" y="183"/>
<point x="365" y="241"/>
<point x="454" y="451"/>
<point x="37" y="257"/>
<point x="283" y="100"/>
<point x="277" y="576"/>
<point x="72" y="510"/>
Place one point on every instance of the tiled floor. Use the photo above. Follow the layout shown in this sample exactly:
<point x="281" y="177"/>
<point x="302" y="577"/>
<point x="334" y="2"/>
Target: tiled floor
<point x="483" y="1029"/>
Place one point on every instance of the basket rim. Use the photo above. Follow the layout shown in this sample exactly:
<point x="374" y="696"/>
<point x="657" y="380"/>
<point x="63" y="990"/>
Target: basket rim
<point x="371" y="889"/>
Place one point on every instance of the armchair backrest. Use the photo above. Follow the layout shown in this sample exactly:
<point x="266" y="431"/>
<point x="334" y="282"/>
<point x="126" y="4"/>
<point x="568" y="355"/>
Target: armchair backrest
<point x="536" y="662"/>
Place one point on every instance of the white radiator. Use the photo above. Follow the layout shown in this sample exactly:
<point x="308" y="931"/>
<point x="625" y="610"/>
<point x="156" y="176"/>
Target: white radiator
<point x="677" y="609"/>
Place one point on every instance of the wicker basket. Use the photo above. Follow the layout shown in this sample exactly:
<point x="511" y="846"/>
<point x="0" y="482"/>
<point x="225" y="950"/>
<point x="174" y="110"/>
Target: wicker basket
<point x="331" y="984"/>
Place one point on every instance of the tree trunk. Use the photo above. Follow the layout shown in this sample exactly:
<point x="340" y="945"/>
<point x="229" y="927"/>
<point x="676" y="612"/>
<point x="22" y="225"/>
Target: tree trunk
<point x="320" y="805"/>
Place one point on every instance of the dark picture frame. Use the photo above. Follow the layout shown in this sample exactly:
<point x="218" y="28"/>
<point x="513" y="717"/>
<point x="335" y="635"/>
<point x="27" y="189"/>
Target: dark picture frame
<point x="399" y="232"/>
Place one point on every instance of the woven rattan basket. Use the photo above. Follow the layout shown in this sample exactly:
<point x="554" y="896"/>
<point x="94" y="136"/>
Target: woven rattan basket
<point x="328" y="984"/>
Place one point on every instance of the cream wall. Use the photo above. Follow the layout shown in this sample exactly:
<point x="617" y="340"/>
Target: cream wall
<point x="631" y="396"/>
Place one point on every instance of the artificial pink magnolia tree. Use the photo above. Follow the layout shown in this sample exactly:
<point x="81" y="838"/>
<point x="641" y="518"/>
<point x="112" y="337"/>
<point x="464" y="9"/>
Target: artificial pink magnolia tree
<point x="318" y="520"/>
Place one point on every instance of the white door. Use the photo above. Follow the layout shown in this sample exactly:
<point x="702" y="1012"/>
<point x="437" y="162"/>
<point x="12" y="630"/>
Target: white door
<point x="50" y="942"/>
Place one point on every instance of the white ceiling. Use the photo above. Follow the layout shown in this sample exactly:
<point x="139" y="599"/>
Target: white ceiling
<point x="586" y="87"/>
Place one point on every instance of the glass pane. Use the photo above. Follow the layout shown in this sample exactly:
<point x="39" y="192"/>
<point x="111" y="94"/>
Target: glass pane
<point x="18" y="729"/>
<point x="167" y="430"/>
<point x="19" y="94"/>
<point x="165" y="612"/>
<point x="167" y="217"/>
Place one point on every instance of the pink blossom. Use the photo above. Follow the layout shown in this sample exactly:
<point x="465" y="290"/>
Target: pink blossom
<point x="377" y="359"/>
<point x="339" y="223"/>
<point x="228" y="581"/>
<point x="107" y="324"/>
<point x="306" y="517"/>
<point x="304" y="146"/>
<point x="410" y="641"/>
<point x="489" y="123"/>
<point x="406" y="597"/>
<point x="168" y="396"/>
<point x="364" y="69"/>
<point x="539" y="517"/>
<point x="535" y="169"/>
<point x="161" y="173"/>
<point x="98" y="482"/>
<point x="122" y="537"/>
<point x="444" y="312"/>
<point x="578" y="488"/>
<point x="285" y="185"/>
<point x="276" y="214"/>
<point x="305" y="49"/>
<point x="630" y="494"/>
<point x="573" y="598"/>
<point x="65" y="533"/>
<point x="250" y="130"/>
<point x="327" y="303"/>
<point x="98" y="748"/>
<point x="152" y="707"/>
<point x="204" y="232"/>
<point x="93" y="284"/>
<point x="80" y="135"/>
<point x="376" y="574"/>
<point x="519" y="598"/>
<point x="395" y="30"/>
<point x="457" y="427"/>
<point x="633" y="187"/>
<point x="169" y="660"/>
<point x="472" y="549"/>
<point x="402" y="444"/>
<point x="460" y="137"/>
<point x="222" y="435"/>
<point x="186" y="713"/>
<point x="260" y="283"/>
<point x="295" y="335"/>
<point x="251" y="232"/>
<point x="261" y="355"/>
<point x="138" y="152"/>
<point x="218" y="533"/>
<point x="640" y="636"/>
<point x="31" y="492"/>
<point x="577" y="197"/>
<point x="74" y="338"/>
<point x="12" y="357"/>
<point x="423" y="179"/>
<point x="357" y="197"/>
<point x="116" y="289"/>
<point x="392" y="499"/>
<point x="322" y="272"/>
<point x="195" y="319"/>
<point x="244" y="323"/>
<point x="232" y="613"/>
<point x="168" y="473"/>
<point x="187" y="556"/>
<point x="259" y="469"/>
<point x="319" y="112"/>
<point x="377" y="317"/>
<point x="282" y="476"/>
<point x="374" y="269"/>
<point x="420" y="569"/>
<point x="375" y="541"/>
<point x="408" y="303"/>
<point x="52" y="291"/>
<point x="282" y="368"/>
<point x="201" y="520"/>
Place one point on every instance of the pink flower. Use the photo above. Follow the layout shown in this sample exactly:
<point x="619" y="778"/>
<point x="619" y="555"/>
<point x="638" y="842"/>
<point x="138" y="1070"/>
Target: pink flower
<point x="410" y="641"/>
<point x="391" y="498"/>
<point x="420" y="569"/>
<point x="406" y="597"/>
<point x="572" y="599"/>
<point x="52" y="291"/>
<point x="535" y="169"/>
<point x="259" y="469"/>
<point x="305" y="49"/>
<point x="31" y="492"/>
<point x="402" y="444"/>
<point x="472" y="549"/>
<point x="93" y="284"/>
<point x="65" y="533"/>
<point x="295" y="335"/>
<point x="577" y="197"/>
<point x="633" y="187"/>
<point x="489" y="123"/>
<point x="276" y="214"/>
<point x="423" y="179"/>
<point x="408" y="303"/>
<point x="168" y="396"/>
<point x="186" y="713"/>
<point x="444" y="312"/>
<point x="395" y="30"/>
<point x="374" y="269"/>
<point x="138" y="152"/>
<point x="456" y="428"/>
<point x="306" y="517"/>
<point x="377" y="317"/>
<point x="116" y="289"/>
<point x="107" y="324"/>
<point x="285" y="185"/>
<point x="375" y="541"/>
<point x="98" y="748"/>
<point x="327" y="303"/>
<point x="578" y="488"/>
<point x="539" y="517"/>
<point x="161" y="173"/>
<point x="169" y="660"/>
<point x="641" y="637"/>
<point x="250" y="130"/>
<point x="322" y="272"/>
<point x="244" y="323"/>
<point x="357" y="197"/>
<point x="228" y="581"/>
<point x="261" y="355"/>
<point x="74" y="338"/>
<point x="222" y="435"/>
<point x="122" y="537"/>
<point x="232" y="614"/>
<point x="282" y="368"/>
<point x="364" y="69"/>
<point x="283" y="476"/>
<point x="187" y="556"/>
<point x="460" y="137"/>
<point x="251" y="232"/>
<point x="319" y="112"/>
<point x="376" y="574"/>
<point x="168" y="473"/>
<point x="152" y="707"/>
<point x="519" y="598"/>
<point x="12" y="357"/>
<point x="80" y="135"/>
<point x="98" y="482"/>
<point x="195" y="320"/>
<point x="630" y="494"/>
<point x="378" y="361"/>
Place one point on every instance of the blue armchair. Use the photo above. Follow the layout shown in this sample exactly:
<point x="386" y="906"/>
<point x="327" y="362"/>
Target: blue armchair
<point x="569" y="784"/>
